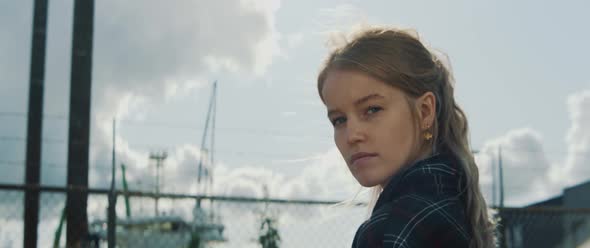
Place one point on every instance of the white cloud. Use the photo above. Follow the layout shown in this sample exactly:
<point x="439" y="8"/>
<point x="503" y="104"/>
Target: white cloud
<point x="149" y="42"/>
<point x="528" y="175"/>
<point x="145" y="48"/>
<point x="337" y="23"/>
<point x="248" y="181"/>
<point x="341" y="16"/>
<point x="322" y="177"/>
<point x="325" y="178"/>
<point x="524" y="166"/>
<point x="294" y="40"/>
<point x="574" y="169"/>
<point x="183" y="89"/>
<point x="12" y="233"/>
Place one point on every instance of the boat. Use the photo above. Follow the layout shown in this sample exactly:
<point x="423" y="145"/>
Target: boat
<point x="161" y="231"/>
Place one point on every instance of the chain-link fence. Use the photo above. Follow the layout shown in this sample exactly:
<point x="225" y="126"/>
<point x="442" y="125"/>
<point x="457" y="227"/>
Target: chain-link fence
<point x="186" y="220"/>
<point x="191" y="220"/>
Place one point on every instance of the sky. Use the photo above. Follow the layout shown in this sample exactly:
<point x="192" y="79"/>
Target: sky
<point x="520" y="70"/>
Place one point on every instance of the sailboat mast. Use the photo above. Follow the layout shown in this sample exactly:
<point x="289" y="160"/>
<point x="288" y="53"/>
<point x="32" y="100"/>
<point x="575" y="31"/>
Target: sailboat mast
<point x="212" y="150"/>
<point x="204" y="138"/>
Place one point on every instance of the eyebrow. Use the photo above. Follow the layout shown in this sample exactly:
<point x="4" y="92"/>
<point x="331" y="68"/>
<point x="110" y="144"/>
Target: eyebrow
<point x="359" y="101"/>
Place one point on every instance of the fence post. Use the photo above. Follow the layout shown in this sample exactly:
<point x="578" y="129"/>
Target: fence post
<point x="35" y="123"/>
<point x="79" y="123"/>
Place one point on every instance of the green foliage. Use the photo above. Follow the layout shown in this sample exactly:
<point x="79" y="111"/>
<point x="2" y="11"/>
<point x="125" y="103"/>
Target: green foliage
<point x="269" y="235"/>
<point x="195" y="241"/>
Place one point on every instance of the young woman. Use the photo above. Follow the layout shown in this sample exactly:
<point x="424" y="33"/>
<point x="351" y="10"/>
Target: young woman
<point x="397" y="125"/>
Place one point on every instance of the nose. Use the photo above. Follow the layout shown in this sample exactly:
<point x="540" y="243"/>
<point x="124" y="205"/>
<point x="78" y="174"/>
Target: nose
<point x="355" y="132"/>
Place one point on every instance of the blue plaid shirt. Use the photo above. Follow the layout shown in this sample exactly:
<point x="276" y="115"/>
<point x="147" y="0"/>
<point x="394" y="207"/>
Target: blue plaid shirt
<point x="422" y="206"/>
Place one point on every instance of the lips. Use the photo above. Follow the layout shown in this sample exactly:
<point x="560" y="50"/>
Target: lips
<point x="361" y="156"/>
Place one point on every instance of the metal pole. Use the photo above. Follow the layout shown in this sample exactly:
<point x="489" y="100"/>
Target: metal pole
<point x="125" y="190"/>
<point x="157" y="185"/>
<point x="494" y="181"/>
<point x="500" y="168"/>
<point x="112" y="199"/>
<point x="212" y="156"/>
<point x="79" y="122"/>
<point x="159" y="158"/>
<point x="35" y="122"/>
<point x="204" y="139"/>
<point x="504" y="222"/>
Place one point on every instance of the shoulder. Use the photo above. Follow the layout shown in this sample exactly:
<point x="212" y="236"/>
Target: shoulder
<point x="416" y="221"/>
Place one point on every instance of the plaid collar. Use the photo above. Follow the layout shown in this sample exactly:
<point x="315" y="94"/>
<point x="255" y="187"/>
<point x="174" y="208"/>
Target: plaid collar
<point x="437" y="174"/>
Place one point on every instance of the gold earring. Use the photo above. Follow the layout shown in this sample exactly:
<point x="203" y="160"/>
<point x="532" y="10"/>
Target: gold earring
<point x="427" y="134"/>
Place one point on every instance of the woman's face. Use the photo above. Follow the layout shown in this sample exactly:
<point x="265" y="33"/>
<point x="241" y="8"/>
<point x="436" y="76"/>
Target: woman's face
<point x="373" y="125"/>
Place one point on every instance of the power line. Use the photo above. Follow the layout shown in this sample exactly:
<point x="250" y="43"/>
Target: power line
<point x="187" y="126"/>
<point x="22" y="139"/>
<point x="51" y="164"/>
<point x="152" y="145"/>
<point x="13" y="114"/>
<point x="25" y="115"/>
<point x="104" y="165"/>
<point x="240" y="154"/>
<point x="148" y="146"/>
<point x="508" y="187"/>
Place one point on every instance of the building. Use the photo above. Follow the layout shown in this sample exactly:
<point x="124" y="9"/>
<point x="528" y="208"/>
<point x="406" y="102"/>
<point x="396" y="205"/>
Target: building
<point x="559" y="222"/>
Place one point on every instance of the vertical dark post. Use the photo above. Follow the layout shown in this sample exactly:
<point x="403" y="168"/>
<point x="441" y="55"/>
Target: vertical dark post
<point x="502" y="229"/>
<point x="504" y="222"/>
<point x="112" y="214"/>
<point x="159" y="158"/>
<point x="79" y="126"/>
<point x="501" y="172"/>
<point x="494" y="182"/>
<point x="35" y="122"/>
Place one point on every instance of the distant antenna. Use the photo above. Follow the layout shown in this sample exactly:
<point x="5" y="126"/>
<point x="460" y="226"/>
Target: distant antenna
<point x="494" y="181"/>
<point x="212" y="151"/>
<point x="159" y="158"/>
<point x="207" y="154"/>
<point x="112" y="214"/>
<point x="266" y="196"/>
<point x="501" y="176"/>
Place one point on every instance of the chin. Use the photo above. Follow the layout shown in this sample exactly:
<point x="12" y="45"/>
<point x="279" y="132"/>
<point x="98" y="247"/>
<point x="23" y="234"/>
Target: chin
<point x="368" y="185"/>
<point x="368" y="182"/>
<point x="368" y="178"/>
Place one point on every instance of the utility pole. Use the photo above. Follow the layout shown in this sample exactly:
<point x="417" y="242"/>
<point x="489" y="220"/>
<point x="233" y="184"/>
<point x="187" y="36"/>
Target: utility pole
<point x="494" y="182"/>
<point x="204" y="152"/>
<point x="112" y="214"/>
<point x="504" y="222"/>
<point x="500" y="168"/>
<point x="35" y="123"/>
<point x="79" y="123"/>
<point x="204" y="138"/>
<point x="159" y="158"/>
<point x="212" y="156"/>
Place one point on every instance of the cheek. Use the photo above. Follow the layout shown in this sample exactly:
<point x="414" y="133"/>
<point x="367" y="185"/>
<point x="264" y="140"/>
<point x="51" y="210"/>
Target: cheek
<point x="406" y="135"/>
<point x="339" y="140"/>
<point x="399" y="135"/>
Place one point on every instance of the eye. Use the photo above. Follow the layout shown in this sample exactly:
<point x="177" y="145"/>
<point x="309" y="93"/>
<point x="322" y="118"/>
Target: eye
<point x="338" y="121"/>
<point x="373" y="109"/>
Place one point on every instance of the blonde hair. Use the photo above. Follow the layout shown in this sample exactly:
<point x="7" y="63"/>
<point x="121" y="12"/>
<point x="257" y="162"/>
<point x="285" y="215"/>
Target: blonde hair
<point x="398" y="58"/>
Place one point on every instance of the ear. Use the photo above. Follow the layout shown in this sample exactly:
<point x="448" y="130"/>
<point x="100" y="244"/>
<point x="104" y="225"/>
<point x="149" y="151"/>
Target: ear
<point x="426" y="105"/>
